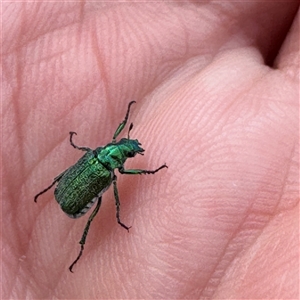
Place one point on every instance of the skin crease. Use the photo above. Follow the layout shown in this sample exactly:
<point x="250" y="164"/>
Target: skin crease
<point x="217" y="90"/>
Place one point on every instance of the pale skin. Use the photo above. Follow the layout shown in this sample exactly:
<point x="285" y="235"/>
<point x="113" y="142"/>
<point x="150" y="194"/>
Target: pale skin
<point x="217" y="91"/>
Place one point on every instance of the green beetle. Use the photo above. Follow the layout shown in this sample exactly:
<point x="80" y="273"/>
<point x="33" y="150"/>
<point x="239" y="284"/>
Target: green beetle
<point x="82" y="184"/>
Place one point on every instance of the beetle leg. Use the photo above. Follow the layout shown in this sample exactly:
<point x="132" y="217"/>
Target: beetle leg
<point x="76" y="147"/>
<point x="139" y="171"/>
<point x="85" y="232"/>
<point x="123" y="124"/>
<point x="118" y="203"/>
<point x="56" y="179"/>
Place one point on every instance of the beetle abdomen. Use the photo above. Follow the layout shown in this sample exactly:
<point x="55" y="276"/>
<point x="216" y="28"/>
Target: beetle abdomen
<point x="81" y="184"/>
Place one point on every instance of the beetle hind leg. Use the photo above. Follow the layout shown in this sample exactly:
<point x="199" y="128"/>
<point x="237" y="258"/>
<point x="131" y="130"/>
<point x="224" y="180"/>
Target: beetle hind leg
<point x="85" y="232"/>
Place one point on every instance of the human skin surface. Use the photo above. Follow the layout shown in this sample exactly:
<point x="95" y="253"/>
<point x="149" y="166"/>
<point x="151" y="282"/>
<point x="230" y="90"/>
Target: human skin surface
<point x="217" y="91"/>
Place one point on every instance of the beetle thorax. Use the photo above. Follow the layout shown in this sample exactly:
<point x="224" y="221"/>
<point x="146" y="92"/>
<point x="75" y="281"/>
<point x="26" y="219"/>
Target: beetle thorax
<point x="114" y="155"/>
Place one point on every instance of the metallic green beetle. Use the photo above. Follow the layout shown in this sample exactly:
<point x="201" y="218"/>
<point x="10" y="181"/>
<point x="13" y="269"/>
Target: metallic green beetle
<point x="82" y="184"/>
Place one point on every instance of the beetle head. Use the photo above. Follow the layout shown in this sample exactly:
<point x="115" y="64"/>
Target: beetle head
<point x="131" y="147"/>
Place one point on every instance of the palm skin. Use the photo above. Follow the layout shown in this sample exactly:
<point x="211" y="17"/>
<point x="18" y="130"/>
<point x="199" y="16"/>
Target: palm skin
<point x="217" y="100"/>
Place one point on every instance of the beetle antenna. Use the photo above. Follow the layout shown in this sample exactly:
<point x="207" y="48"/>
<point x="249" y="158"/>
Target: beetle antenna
<point x="130" y="128"/>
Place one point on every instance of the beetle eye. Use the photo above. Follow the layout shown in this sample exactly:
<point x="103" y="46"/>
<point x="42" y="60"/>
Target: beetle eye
<point x="131" y="154"/>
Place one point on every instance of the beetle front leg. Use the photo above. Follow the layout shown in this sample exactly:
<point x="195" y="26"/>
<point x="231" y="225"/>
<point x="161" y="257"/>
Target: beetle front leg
<point x="122" y="125"/>
<point x="85" y="232"/>
<point x="139" y="171"/>
<point x="76" y="147"/>
<point x="118" y="203"/>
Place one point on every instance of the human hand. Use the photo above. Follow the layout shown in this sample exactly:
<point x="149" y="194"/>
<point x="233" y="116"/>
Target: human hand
<point x="217" y="90"/>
